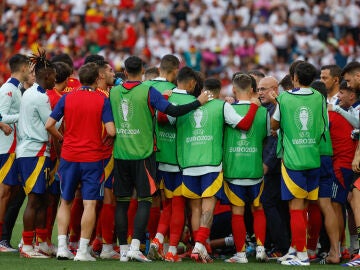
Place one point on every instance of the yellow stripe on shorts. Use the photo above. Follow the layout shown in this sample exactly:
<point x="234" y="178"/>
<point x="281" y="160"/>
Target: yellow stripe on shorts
<point x="256" y="201"/>
<point x="109" y="168"/>
<point x="295" y="190"/>
<point x="4" y="170"/>
<point x="214" y="187"/>
<point x="188" y="193"/>
<point x="30" y="182"/>
<point x="53" y="172"/>
<point x="233" y="198"/>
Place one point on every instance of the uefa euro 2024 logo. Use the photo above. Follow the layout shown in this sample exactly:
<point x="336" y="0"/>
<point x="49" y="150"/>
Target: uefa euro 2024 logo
<point x="126" y="112"/>
<point x="303" y="118"/>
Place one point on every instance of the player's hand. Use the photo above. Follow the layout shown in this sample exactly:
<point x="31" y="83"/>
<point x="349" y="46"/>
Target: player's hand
<point x="230" y="100"/>
<point x="272" y="96"/>
<point x="167" y="93"/>
<point x="356" y="163"/>
<point x="6" y="128"/>
<point x="108" y="140"/>
<point x="255" y="100"/>
<point x="205" y="97"/>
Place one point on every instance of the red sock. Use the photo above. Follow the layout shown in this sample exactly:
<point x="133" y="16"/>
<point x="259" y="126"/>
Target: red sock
<point x="107" y="219"/>
<point x="75" y="220"/>
<point x="239" y="232"/>
<point x="177" y="220"/>
<point x="194" y="233"/>
<point x="298" y="229"/>
<point x="153" y="221"/>
<point x="131" y="216"/>
<point x="259" y="226"/>
<point x="165" y="216"/>
<point x="314" y="225"/>
<point x="41" y="235"/>
<point x="202" y="234"/>
<point x="28" y="237"/>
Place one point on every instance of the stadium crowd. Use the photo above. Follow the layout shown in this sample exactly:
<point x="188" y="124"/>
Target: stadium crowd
<point x="216" y="37"/>
<point x="227" y="126"/>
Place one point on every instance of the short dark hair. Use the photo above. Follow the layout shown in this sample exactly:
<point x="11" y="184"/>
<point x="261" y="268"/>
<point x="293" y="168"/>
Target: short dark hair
<point x="200" y="78"/>
<point x="345" y="86"/>
<point x="88" y="73"/>
<point x="152" y="70"/>
<point x="17" y="61"/>
<point x="133" y="65"/>
<point x="293" y="66"/>
<point x="306" y="73"/>
<point x="186" y="74"/>
<point x="169" y="63"/>
<point x="351" y="67"/>
<point x="257" y="73"/>
<point x="286" y="82"/>
<point x="242" y="81"/>
<point x="93" y="58"/>
<point x="63" y="71"/>
<point x="335" y="70"/>
<point x="320" y="87"/>
<point x="213" y="85"/>
<point x="65" y="58"/>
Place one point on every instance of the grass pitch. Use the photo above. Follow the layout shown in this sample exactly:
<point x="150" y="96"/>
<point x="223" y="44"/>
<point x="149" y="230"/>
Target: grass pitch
<point x="10" y="261"/>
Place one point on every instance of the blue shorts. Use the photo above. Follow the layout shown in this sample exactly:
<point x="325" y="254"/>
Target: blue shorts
<point x="54" y="183"/>
<point x="89" y="174"/>
<point x="240" y="195"/>
<point x="300" y="184"/>
<point x="327" y="177"/>
<point x="9" y="173"/>
<point x="203" y="186"/>
<point x="339" y="191"/>
<point x="109" y="172"/>
<point x="170" y="182"/>
<point x="35" y="174"/>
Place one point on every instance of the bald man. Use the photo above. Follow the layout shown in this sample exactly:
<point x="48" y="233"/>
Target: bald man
<point x="276" y="210"/>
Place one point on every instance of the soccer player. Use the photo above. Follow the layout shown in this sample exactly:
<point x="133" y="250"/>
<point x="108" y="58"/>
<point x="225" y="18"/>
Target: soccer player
<point x="168" y="170"/>
<point x="199" y="151"/>
<point x="10" y="96"/>
<point x="106" y="220"/>
<point x="134" y="104"/>
<point x="299" y="115"/>
<point x="326" y="191"/>
<point x="81" y="161"/>
<point x="351" y="74"/>
<point x="63" y="73"/>
<point x="33" y="155"/>
<point x="276" y="210"/>
<point x="243" y="171"/>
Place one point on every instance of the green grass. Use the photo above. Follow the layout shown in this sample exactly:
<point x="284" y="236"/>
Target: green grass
<point x="10" y="261"/>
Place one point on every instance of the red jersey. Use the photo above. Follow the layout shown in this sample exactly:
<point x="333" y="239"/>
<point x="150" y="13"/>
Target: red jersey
<point x="84" y="113"/>
<point x="343" y="146"/>
<point x="107" y="149"/>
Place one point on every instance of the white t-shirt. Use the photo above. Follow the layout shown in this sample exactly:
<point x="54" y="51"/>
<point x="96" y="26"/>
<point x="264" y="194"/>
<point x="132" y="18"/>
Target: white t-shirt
<point x="34" y="112"/>
<point x="10" y="98"/>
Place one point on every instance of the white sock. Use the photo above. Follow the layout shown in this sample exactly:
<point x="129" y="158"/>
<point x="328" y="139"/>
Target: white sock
<point x="62" y="241"/>
<point x="302" y="255"/>
<point x="107" y="247"/>
<point x="124" y="248"/>
<point x="135" y="244"/>
<point x="173" y="250"/>
<point x="27" y="248"/>
<point x="160" y="237"/>
<point x="292" y="250"/>
<point x="199" y="246"/>
<point x="43" y="245"/>
<point x="83" y="246"/>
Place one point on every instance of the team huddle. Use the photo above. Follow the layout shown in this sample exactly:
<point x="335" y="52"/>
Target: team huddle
<point x="124" y="159"/>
